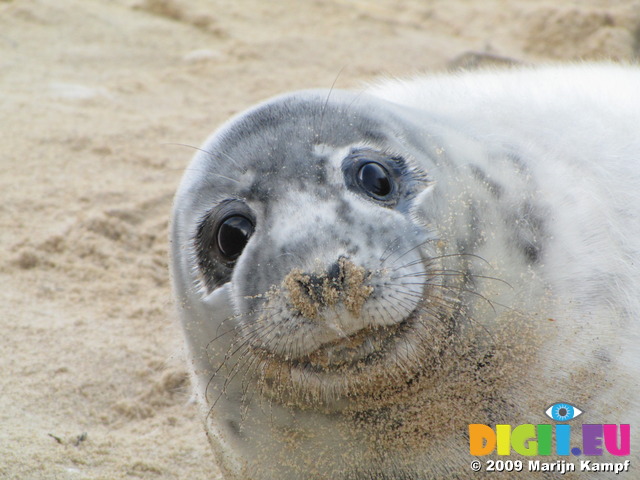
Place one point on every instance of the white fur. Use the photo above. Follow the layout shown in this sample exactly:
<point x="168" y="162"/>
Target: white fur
<point x="581" y="124"/>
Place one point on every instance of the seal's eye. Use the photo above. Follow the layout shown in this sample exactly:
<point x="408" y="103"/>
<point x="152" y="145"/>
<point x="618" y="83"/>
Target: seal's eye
<point x="379" y="176"/>
<point x="233" y="234"/>
<point x="221" y="237"/>
<point x="562" y="412"/>
<point x="375" y="180"/>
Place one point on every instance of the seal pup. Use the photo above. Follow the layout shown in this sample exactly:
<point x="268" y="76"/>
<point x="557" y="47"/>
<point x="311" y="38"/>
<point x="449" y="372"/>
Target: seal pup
<point x="362" y="275"/>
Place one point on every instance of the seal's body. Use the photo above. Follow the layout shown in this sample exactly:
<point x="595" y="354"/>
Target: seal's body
<point x="361" y="276"/>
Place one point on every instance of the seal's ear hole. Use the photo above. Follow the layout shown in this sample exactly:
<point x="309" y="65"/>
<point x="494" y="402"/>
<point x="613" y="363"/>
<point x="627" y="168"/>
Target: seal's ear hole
<point x="222" y="235"/>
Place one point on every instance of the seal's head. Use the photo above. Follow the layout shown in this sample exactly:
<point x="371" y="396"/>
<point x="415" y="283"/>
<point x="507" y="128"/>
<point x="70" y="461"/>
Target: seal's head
<point x="303" y="211"/>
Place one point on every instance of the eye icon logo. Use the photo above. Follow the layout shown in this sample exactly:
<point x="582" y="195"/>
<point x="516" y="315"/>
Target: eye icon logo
<point x="562" y="412"/>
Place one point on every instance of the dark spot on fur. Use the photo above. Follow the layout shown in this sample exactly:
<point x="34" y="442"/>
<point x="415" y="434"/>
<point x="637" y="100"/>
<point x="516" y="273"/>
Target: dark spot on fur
<point x="257" y="192"/>
<point x="602" y="354"/>
<point x="520" y="164"/>
<point x="235" y="428"/>
<point x="492" y="186"/>
<point x="476" y="237"/>
<point x="343" y="211"/>
<point x="353" y="250"/>
<point x="531" y="252"/>
<point x="320" y="171"/>
<point x="530" y="231"/>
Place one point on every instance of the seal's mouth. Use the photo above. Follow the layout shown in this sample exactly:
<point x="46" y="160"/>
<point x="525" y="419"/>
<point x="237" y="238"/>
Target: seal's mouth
<point x="362" y="365"/>
<point x="365" y="347"/>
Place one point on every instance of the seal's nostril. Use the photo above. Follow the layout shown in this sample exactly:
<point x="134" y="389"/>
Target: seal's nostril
<point x="334" y="272"/>
<point x="313" y="284"/>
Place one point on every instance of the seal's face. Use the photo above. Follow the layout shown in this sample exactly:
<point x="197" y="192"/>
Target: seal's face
<point x="311" y="223"/>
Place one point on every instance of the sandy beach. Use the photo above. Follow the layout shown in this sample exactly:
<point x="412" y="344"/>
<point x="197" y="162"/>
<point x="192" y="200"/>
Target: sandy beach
<point x="101" y="104"/>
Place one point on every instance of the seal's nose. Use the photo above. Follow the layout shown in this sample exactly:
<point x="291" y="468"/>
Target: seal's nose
<point x="313" y="286"/>
<point x="341" y="282"/>
<point x="324" y="289"/>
